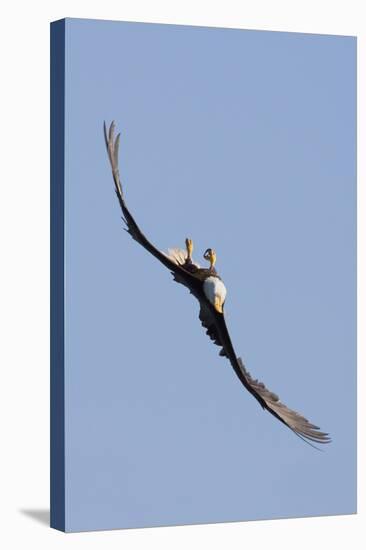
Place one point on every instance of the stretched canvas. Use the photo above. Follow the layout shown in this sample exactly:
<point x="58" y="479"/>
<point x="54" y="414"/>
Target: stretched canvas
<point x="245" y="143"/>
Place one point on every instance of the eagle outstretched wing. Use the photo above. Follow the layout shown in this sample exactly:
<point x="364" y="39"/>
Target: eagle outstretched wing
<point x="216" y="329"/>
<point x="180" y="275"/>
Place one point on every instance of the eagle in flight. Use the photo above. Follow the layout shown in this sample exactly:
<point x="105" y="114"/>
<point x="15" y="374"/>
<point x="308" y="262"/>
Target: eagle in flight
<point x="207" y="286"/>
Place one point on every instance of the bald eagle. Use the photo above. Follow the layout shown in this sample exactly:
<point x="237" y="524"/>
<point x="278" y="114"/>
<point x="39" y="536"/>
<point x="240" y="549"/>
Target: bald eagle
<point x="207" y="286"/>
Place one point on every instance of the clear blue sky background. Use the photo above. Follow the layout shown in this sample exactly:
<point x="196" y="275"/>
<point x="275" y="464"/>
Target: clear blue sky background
<point x="244" y="141"/>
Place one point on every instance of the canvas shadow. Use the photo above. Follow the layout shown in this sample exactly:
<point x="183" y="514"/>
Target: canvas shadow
<point x="42" y="515"/>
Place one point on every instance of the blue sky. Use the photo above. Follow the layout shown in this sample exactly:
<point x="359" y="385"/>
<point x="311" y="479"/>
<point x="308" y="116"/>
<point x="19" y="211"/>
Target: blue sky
<point x="245" y="142"/>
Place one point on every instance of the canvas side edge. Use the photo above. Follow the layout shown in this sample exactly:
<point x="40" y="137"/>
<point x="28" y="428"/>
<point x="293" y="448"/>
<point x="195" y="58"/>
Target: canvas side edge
<point x="57" y="175"/>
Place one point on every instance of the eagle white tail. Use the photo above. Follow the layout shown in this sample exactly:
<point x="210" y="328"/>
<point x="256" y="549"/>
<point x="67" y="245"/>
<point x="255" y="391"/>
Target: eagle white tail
<point x="178" y="256"/>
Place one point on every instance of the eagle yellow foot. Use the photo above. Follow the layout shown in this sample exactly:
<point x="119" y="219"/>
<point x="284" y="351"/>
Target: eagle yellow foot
<point x="189" y="248"/>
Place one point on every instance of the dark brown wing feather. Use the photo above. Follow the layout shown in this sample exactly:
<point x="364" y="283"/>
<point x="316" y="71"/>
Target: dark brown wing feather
<point x="180" y="275"/>
<point x="216" y="329"/>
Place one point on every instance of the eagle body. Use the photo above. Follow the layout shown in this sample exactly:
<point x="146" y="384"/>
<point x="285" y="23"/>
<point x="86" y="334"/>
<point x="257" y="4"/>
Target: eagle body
<point x="213" y="287"/>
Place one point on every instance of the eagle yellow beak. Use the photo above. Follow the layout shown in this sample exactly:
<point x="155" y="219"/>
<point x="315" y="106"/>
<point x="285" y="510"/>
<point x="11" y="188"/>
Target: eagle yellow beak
<point x="218" y="305"/>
